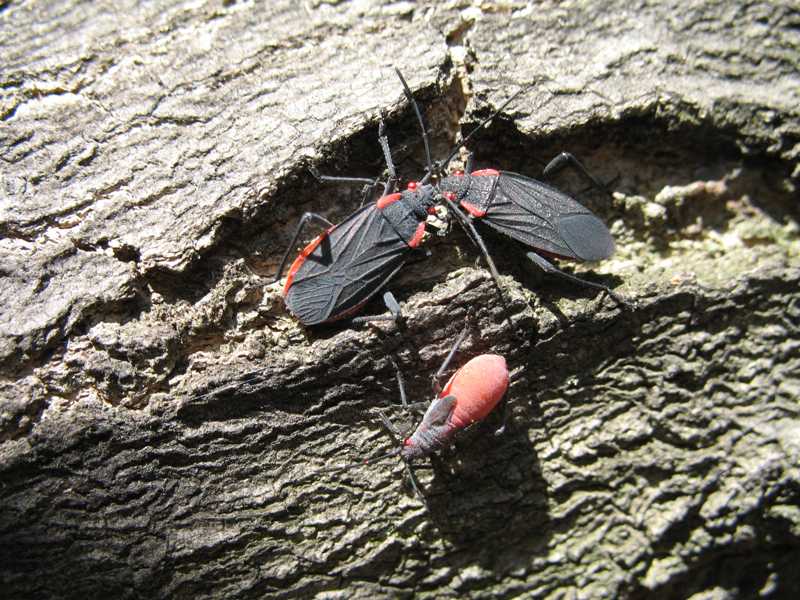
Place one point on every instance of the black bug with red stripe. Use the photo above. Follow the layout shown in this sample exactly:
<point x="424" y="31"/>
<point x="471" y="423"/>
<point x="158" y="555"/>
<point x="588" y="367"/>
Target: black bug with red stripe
<point x="335" y="275"/>
<point x="532" y="212"/>
<point x="347" y="264"/>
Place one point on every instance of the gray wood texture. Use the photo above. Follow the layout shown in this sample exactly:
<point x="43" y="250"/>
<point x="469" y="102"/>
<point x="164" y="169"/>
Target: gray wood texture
<point x="165" y="424"/>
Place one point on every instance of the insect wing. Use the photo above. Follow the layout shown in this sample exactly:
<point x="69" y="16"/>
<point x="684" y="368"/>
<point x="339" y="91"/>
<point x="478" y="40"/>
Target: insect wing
<point x="438" y="412"/>
<point x="547" y="219"/>
<point x="346" y="268"/>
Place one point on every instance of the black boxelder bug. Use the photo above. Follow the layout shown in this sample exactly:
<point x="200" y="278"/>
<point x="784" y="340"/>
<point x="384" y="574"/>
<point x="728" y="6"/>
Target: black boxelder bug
<point x="536" y="214"/>
<point x="347" y="264"/>
<point x="529" y="211"/>
<point x="342" y="268"/>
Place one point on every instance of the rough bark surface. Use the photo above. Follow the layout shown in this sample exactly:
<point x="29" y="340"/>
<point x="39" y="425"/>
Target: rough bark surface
<point x="165" y="424"/>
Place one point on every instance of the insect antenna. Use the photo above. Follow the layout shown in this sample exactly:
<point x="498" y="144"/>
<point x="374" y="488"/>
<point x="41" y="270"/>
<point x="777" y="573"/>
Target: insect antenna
<point x="365" y="461"/>
<point x="395" y="435"/>
<point x="407" y="92"/>
<point x="443" y="165"/>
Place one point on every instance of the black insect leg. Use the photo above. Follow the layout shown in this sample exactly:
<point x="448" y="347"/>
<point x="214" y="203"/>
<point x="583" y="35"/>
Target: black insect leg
<point x="369" y="184"/>
<point x="443" y="164"/>
<point x="502" y="429"/>
<point x="470" y="163"/>
<point x="401" y="385"/>
<point x="394" y="309"/>
<point x="396" y="434"/>
<point x="551" y="269"/>
<point x="397" y="438"/>
<point x="466" y="222"/>
<point x="328" y="178"/>
<point x="437" y="378"/>
<point x="565" y="159"/>
<point x="304" y="220"/>
<point x="414" y="482"/>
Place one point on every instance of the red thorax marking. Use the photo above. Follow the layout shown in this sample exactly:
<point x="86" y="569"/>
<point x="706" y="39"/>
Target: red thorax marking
<point x="471" y="208"/>
<point x="486" y="173"/>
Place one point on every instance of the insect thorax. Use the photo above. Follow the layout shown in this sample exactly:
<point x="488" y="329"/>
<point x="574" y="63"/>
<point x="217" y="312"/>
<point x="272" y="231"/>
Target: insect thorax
<point x="476" y="190"/>
<point x="426" y="440"/>
<point x="409" y="210"/>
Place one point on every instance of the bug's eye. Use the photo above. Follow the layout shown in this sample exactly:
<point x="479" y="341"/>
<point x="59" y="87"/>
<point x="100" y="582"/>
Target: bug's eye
<point x="412" y="186"/>
<point x="407" y="442"/>
<point x="458" y="173"/>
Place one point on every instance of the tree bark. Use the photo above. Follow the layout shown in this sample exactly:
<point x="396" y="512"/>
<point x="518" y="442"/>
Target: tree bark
<point x="167" y="429"/>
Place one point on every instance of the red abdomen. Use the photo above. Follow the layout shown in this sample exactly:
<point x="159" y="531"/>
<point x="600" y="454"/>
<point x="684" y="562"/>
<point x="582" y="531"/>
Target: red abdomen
<point x="478" y="386"/>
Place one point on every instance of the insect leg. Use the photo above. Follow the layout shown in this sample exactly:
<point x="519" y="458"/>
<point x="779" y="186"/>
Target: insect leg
<point x="502" y="429"/>
<point x="565" y="159"/>
<point x="304" y="220"/>
<point x="325" y="178"/>
<point x="369" y="184"/>
<point x="443" y="164"/>
<point x="391" y="183"/>
<point x="470" y="163"/>
<point x="414" y="482"/>
<point x="437" y="378"/>
<point x="394" y="309"/>
<point x="476" y="237"/>
<point x="396" y="438"/>
<point x="395" y="433"/>
<point x="400" y="385"/>
<point x="551" y="269"/>
<point x="514" y="376"/>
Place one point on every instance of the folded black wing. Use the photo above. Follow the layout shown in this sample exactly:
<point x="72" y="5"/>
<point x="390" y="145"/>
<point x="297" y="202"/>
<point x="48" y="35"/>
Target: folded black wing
<point x="349" y="264"/>
<point x="547" y="219"/>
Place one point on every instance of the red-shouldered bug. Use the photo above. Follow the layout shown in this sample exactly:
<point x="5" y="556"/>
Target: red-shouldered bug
<point x="536" y="214"/>
<point x="529" y="211"/>
<point x="468" y="397"/>
<point x="342" y="268"/>
<point x="347" y="264"/>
